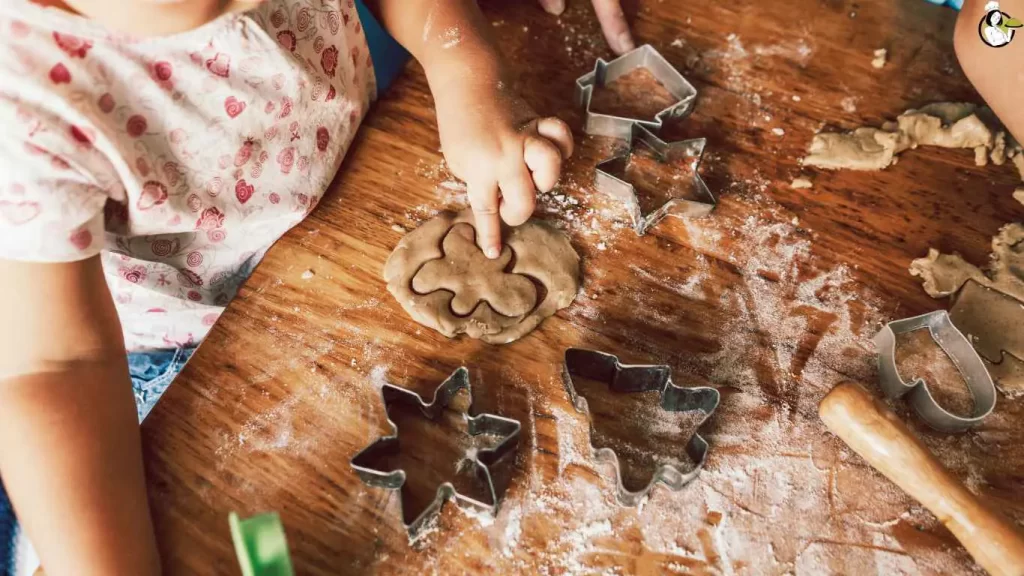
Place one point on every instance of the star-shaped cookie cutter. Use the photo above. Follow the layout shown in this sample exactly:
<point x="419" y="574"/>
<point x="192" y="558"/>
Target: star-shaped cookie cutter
<point x="605" y="72"/>
<point x="667" y="152"/>
<point x="959" y="350"/>
<point x="504" y="428"/>
<point x="622" y="378"/>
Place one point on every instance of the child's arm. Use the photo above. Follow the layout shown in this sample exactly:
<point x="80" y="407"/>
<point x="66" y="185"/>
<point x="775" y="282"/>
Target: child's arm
<point x="70" y="452"/>
<point x="997" y="73"/>
<point x="490" y="137"/>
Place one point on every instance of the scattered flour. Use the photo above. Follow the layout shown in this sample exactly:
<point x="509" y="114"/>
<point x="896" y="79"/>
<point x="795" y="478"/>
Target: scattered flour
<point x="795" y="323"/>
<point x="451" y="37"/>
<point x="737" y="61"/>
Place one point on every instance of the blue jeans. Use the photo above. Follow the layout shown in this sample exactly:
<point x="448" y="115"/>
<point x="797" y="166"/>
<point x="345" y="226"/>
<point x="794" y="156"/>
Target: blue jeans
<point x="151" y="373"/>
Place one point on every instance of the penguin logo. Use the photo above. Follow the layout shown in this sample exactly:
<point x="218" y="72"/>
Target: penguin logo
<point x="997" y="27"/>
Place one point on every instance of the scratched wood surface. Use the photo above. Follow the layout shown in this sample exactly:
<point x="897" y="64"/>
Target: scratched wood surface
<point x="773" y="299"/>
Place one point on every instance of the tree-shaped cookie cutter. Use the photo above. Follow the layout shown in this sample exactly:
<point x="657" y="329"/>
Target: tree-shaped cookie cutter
<point x="605" y="72"/>
<point x="666" y="152"/>
<point x="504" y="428"/>
<point x="621" y="378"/>
<point x="959" y="350"/>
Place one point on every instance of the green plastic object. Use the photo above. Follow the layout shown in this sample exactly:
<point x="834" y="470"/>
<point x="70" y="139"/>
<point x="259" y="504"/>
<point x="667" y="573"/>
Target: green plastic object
<point x="261" y="545"/>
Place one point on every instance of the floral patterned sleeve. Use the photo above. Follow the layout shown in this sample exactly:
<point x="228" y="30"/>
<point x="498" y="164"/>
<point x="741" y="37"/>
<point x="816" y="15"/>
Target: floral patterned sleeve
<point x="51" y="208"/>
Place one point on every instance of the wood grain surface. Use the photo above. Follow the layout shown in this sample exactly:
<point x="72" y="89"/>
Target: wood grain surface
<point x="773" y="299"/>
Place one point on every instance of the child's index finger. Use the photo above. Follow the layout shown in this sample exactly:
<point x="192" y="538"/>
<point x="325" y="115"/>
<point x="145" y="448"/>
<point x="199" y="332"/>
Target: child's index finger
<point x="487" y="220"/>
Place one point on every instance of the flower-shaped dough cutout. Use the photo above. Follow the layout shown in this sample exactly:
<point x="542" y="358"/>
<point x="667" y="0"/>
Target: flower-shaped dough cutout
<point x="443" y="280"/>
<point x="473" y="277"/>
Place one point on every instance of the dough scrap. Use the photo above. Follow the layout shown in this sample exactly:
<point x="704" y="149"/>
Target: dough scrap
<point x="1018" y="161"/>
<point x="801" y="183"/>
<point x="881" y="57"/>
<point x="444" y="282"/>
<point x="862" y="149"/>
<point x="988" y="307"/>
<point x="943" y="124"/>
<point x="944" y="274"/>
<point x="923" y="129"/>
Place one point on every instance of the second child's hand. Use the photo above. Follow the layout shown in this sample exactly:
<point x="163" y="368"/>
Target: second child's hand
<point x="612" y="18"/>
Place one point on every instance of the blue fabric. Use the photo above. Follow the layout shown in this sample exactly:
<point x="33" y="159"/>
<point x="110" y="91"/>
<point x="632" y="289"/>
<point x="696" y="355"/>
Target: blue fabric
<point x="388" y="56"/>
<point x="954" y="4"/>
<point x="151" y="373"/>
<point x="8" y="528"/>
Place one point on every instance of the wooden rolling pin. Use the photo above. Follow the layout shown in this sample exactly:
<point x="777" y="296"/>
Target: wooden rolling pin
<point x="882" y="439"/>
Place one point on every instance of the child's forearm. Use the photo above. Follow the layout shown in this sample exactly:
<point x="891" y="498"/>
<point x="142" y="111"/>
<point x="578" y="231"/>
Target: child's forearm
<point x="70" y="450"/>
<point x="450" y="38"/>
<point x="997" y="73"/>
<point x="71" y="461"/>
<point x="492" y="139"/>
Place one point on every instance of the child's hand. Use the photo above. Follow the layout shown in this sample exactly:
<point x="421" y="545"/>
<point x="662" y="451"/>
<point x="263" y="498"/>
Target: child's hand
<point x="496" y="143"/>
<point x="491" y="138"/>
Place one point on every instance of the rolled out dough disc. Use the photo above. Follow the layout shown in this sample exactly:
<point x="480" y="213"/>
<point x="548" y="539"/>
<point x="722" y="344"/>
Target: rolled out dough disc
<point x="444" y="281"/>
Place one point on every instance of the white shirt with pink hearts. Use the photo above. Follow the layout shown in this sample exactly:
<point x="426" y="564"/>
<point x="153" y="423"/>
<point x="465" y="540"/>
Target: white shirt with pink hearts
<point x="179" y="160"/>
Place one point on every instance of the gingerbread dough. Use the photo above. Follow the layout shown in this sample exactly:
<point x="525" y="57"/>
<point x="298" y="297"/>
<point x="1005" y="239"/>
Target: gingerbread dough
<point x="444" y="281"/>
<point x="944" y="274"/>
<point x="989" y="305"/>
<point x="943" y="124"/>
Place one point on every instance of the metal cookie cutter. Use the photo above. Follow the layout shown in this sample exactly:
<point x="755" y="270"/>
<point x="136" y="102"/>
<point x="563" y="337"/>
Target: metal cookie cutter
<point x="627" y="379"/>
<point x="992" y="320"/>
<point x="667" y="152"/>
<point x="605" y="72"/>
<point x="959" y="350"/>
<point x="506" y="429"/>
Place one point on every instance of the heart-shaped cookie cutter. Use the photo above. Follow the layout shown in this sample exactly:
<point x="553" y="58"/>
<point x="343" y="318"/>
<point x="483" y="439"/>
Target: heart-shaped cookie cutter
<point x="959" y="350"/>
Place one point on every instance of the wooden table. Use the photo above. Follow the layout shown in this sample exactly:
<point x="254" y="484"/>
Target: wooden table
<point x="773" y="299"/>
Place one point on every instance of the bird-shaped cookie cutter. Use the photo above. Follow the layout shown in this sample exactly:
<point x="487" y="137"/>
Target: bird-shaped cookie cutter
<point x="504" y="428"/>
<point x="605" y="72"/>
<point x="627" y="379"/>
<point x="959" y="350"/>
<point x="666" y="152"/>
